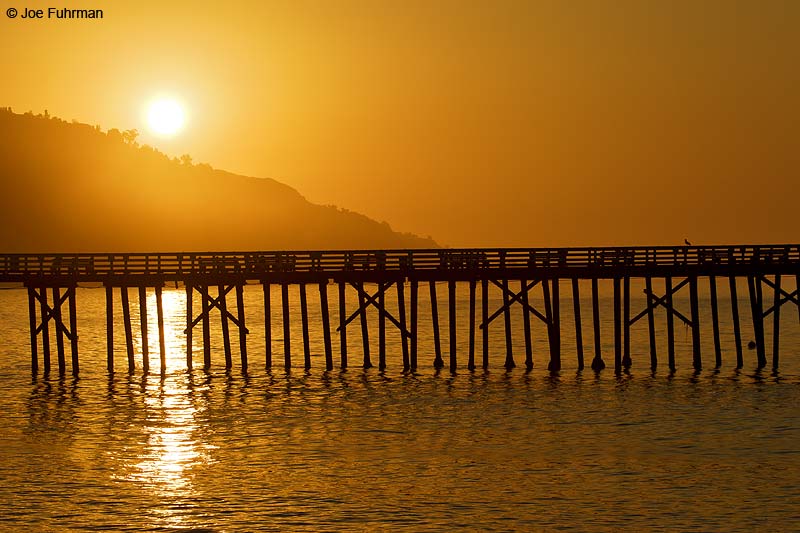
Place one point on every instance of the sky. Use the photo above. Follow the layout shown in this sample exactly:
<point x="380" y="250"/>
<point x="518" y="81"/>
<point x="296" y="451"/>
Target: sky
<point x="480" y="123"/>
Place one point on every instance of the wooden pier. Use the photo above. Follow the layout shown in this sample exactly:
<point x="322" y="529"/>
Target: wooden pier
<point x="214" y="278"/>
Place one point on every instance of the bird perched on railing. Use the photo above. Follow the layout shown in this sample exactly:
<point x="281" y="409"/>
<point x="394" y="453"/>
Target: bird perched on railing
<point x="686" y="242"/>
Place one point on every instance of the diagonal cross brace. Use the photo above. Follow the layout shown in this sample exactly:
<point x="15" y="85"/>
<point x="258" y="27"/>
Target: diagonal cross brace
<point x="216" y="302"/>
<point x="655" y="301"/>
<point x="372" y="300"/>
<point x="50" y="312"/>
<point x="793" y="297"/>
<point x="515" y="297"/>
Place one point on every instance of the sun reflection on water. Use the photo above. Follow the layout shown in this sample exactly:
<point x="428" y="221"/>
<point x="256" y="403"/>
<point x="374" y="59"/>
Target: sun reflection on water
<point x="173" y="446"/>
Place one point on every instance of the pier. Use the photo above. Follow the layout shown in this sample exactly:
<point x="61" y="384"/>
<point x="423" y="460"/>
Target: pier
<point x="214" y="285"/>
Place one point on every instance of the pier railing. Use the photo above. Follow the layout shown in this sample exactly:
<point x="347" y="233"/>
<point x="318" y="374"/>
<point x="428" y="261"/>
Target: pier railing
<point x="88" y="267"/>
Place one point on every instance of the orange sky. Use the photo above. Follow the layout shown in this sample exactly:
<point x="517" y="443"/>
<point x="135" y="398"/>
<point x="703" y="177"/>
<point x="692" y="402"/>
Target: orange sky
<point x="480" y="123"/>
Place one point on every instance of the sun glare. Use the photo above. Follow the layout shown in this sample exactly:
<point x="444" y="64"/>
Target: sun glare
<point x="165" y="117"/>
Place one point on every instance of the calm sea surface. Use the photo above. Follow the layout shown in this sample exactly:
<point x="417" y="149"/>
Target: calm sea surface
<point x="370" y="451"/>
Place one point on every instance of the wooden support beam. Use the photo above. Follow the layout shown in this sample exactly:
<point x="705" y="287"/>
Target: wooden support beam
<point x="109" y="332"/>
<point x="401" y="309"/>
<point x="797" y="290"/>
<point x="126" y="318"/>
<point x="189" y="320"/>
<point x="548" y="312"/>
<point x="526" y="325"/>
<point x="697" y="360"/>
<point x="226" y="334"/>
<point x="617" y="326"/>
<point x="509" y="364"/>
<point x="304" y="324"/>
<point x="206" y="328"/>
<point x="484" y="320"/>
<point x="626" y="322"/>
<point x="342" y="325"/>
<point x="62" y="364"/>
<point x="555" y="359"/>
<point x="414" y="303"/>
<point x="712" y="283"/>
<point x="737" y="333"/>
<point x="761" y="347"/>
<point x="326" y="325"/>
<point x="162" y="348"/>
<point x="240" y="314"/>
<point x="73" y="328"/>
<point x="382" y="327"/>
<point x="776" y="323"/>
<point x="758" y="319"/>
<point x="45" y="312"/>
<point x="364" y="326"/>
<point x="287" y="343"/>
<point x="267" y="325"/>
<point x="34" y="339"/>
<point x="597" y="362"/>
<point x="651" y="324"/>
<point x="143" y="327"/>
<point x="670" y="324"/>
<point x="576" y="311"/>
<point x="451" y="293"/>
<point x="437" y="343"/>
<point x="471" y="349"/>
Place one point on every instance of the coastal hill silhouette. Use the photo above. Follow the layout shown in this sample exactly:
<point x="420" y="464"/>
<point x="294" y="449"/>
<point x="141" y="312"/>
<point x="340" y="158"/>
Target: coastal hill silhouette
<point x="70" y="187"/>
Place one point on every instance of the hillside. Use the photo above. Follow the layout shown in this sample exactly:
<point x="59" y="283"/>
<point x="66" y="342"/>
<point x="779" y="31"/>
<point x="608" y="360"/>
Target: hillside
<point x="70" y="187"/>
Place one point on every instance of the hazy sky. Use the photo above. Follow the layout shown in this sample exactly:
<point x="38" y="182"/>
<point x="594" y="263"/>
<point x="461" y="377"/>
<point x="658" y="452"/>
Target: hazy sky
<point x="480" y="123"/>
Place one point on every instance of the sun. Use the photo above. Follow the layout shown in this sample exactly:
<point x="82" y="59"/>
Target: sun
<point x="165" y="117"/>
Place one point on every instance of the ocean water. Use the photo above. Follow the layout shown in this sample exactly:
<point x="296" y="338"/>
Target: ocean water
<point x="363" y="450"/>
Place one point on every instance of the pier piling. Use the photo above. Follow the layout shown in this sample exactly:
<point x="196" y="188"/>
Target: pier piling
<point x="342" y="325"/>
<point x="776" y="323"/>
<point x="401" y="309"/>
<point x="576" y="310"/>
<point x="287" y="333"/>
<point x="617" y="326"/>
<point x="597" y="362"/>
<point x="304" y="326"/>
<point x="126" y="318"/>
<point x="471" y="349"/>
<point x="485" y="322"/>
<point x="670" y="325"/>
<point x="143" y="327"/>
<point x="32" y="320"/>
<point x="364" y="326"/>
<point x="267" y="325"/>
<point x="451" y="293"/>
<point x="109" y="333"/>
<point x="326" y="325"/>
<point x="162" y="348"/>
<point x="382" y="326"/>
<point x="526" y="324"/>
<point x="626" y="322"/>
<point x="189" y="325"/>
<point x="651" y="323"/>
<point x="737" y="334"/>
<point x="712" y="283"/>
<point x="437" y="343"/>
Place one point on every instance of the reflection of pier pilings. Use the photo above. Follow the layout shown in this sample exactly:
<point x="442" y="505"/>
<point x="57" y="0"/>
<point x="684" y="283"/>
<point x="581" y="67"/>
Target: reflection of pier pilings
<point x="515" y="277"/>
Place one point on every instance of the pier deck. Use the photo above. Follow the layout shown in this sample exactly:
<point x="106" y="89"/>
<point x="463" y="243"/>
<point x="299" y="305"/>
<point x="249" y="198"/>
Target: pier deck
<point x="514" y="272"/>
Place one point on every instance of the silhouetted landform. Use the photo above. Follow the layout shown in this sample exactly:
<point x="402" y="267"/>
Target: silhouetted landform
<point x="72" y="187"/>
